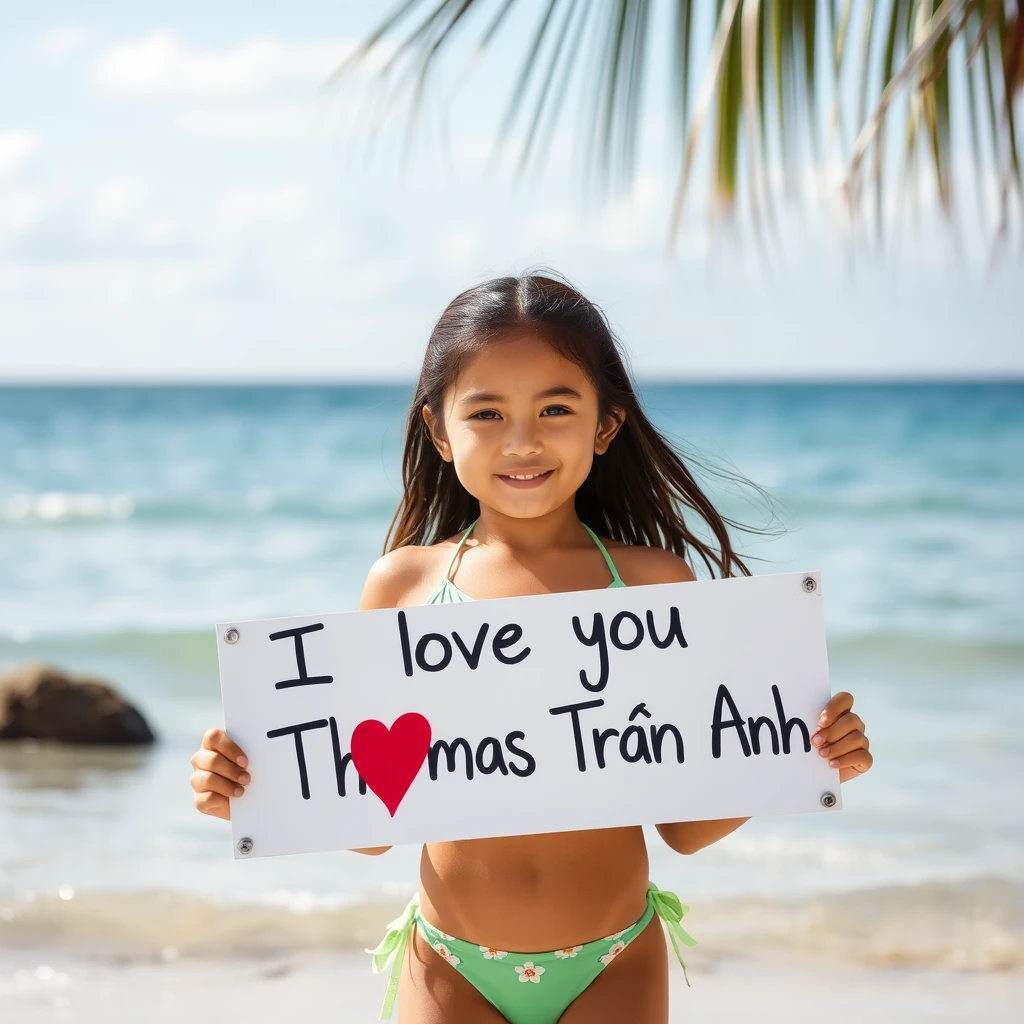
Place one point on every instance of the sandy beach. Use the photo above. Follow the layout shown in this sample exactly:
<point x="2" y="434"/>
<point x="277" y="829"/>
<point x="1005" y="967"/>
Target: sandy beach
<point x="38" y="986"/>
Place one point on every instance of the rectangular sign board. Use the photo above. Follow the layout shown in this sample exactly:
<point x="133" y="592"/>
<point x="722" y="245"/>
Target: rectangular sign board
<point x="589" y="709"/>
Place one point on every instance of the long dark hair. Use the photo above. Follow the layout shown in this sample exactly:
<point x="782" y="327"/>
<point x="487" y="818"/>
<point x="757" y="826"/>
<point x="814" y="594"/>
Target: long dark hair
<point x="635" y="493"/>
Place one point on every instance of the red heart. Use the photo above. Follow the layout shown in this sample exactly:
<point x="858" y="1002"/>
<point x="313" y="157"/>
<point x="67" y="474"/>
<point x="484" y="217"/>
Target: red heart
<point x="388" y="760"/>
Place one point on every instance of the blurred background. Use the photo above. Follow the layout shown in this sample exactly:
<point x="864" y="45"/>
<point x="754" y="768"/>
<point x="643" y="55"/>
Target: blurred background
<point x="215" y="289"/>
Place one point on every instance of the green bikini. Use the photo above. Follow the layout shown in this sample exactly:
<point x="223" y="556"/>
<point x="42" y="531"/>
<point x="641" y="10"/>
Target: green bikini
<point x="526" y="988"/>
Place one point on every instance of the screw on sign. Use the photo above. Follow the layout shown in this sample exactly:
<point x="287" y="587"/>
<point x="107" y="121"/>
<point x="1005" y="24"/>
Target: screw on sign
<point x="810" y="584"/>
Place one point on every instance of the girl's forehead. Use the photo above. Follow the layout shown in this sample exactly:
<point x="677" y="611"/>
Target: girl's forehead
<point x="520" y="364"/>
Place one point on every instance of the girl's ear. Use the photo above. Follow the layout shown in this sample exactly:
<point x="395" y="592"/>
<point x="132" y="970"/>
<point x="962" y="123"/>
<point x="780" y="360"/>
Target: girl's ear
<point x="607" y="429"/>
<point x="442" y="446"/>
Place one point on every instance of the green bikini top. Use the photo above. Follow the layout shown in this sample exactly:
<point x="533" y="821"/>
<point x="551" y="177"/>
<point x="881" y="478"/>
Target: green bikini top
<point x="447" y="593"/>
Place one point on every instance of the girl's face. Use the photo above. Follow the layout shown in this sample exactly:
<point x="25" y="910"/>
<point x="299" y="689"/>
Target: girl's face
<point x="521" y="425"/>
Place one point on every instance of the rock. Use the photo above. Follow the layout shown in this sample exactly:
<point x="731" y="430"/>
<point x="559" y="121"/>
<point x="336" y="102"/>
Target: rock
<point x="39" y="701"/>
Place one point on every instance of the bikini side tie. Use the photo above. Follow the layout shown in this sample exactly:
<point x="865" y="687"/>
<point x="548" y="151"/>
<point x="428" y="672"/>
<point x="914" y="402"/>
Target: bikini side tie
<point x="394" y="943"/>
<point x="670" y="909"/>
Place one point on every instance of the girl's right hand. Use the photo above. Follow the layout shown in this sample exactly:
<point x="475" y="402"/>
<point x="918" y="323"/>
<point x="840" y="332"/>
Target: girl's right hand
<point x="219" y="773"/>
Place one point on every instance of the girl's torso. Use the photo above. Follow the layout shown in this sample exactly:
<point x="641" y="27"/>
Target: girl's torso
<point x="534" y="892"/>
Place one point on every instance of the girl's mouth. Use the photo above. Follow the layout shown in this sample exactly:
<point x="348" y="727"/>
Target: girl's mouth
<point x="525" y="480"/>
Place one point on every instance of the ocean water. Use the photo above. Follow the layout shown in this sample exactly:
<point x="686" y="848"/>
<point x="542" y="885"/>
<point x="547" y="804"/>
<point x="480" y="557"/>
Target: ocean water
<point x="133" y="518"/>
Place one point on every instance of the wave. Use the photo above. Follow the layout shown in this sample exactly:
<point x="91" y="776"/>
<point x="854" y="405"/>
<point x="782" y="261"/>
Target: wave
<point x="851" y="501"/>
<point x="975" y="925"/>
<point x="63" y="508"/>
<point x="56" y="508"/>
<point x="926" y="650"/>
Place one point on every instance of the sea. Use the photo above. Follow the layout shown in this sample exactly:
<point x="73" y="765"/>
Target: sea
<point x="133" y="518"/>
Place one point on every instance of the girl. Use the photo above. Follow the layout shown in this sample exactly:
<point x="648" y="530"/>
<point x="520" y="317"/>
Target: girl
<point x="524" y="442"/>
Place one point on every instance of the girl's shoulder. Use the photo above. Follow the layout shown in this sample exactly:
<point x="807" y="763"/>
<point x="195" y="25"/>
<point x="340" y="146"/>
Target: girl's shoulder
<point x="639" y="564"/>
<point x="405" y="575"/>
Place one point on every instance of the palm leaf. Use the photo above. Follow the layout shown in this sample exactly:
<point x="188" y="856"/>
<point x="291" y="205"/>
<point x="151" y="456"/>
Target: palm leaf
<point x="759" y="91"/>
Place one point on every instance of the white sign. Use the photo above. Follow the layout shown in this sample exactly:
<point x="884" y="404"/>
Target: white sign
<point x="589" y="709"/>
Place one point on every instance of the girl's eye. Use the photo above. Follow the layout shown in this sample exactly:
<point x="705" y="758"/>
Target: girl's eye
<point x="491" y="414"/>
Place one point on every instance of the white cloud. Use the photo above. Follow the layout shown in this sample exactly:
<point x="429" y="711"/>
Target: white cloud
<point x="115" y="201"/>
<point x="63" y="42"/>
<point x="248" y="122"/>
<point x="638" y="219"/>
<point x="551" y="225"/>
<point x="459" y="247"/>
<point x="238" y="209"/>
<point x="471" y="154"/>
<point x="25" y="204"/>
<point x="17" y="148"/>
<point x="161" y="64"/>
<point x="20" y="210"/>
<point x="160" y="229"/>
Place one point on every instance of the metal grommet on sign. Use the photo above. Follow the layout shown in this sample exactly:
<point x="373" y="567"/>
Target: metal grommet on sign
<point x="231" y="636"/>
<point x="245" y="845"/>
<point x="828" y="799"/>
<point x="810" y="584"/>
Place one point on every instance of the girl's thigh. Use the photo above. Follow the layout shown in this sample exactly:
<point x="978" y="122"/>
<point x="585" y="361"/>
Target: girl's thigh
<point x="633" y="987"/>
<point x="433" y="992"/>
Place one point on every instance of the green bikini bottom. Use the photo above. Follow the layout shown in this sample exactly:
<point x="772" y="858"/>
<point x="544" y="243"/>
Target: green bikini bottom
<point x="526" y="988"/>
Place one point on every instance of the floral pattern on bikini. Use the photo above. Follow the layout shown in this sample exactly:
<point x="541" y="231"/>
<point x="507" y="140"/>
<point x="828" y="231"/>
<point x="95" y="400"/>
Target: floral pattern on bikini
<point x="490" y="953"/>
<point x="613" y="952"/>
<point x="445" y="952"/>
<point x="530" y="972"/>
<point x="569" y="951"/>
<point x="614" y="935"/>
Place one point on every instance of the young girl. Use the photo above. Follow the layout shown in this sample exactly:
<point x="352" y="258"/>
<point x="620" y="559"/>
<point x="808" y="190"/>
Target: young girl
<point x="526" y="445"/>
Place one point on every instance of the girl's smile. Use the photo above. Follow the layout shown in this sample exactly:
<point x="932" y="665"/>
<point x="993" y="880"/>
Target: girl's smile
<point x="526" y="478"/>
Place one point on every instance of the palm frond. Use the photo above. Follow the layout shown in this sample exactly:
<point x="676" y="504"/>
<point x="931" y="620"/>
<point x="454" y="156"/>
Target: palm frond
<point x="923" y="64"/>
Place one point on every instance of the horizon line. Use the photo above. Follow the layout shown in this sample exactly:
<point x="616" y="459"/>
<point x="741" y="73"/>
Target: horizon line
<point x="1010" y="377"/>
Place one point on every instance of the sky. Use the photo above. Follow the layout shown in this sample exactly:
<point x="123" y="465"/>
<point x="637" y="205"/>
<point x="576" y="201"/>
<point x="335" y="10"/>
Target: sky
<point x="182" y="200"/>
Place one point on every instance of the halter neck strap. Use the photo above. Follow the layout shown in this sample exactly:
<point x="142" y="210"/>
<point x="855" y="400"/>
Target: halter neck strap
<point x="465" y="537"/>
<point x="616" y="579"/>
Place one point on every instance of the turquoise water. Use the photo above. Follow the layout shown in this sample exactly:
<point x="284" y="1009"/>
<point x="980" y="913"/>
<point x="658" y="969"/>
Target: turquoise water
<point x="133" y="518"/>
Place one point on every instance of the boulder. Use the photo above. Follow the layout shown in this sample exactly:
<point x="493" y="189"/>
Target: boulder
<point x="41" y="702"/>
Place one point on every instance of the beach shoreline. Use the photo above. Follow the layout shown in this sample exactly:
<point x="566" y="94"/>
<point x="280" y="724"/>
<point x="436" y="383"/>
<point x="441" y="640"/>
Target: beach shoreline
<point x="40" y="986"/>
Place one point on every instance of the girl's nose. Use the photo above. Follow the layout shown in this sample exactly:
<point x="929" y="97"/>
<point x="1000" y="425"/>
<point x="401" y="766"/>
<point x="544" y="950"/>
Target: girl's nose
<point x="521" y="439"/>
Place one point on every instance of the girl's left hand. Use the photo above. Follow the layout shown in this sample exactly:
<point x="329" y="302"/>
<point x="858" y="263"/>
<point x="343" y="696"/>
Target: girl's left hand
<point x="840" y="738"/>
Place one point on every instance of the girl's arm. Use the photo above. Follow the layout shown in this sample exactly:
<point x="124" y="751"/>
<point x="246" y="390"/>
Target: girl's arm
<point x="691" y="836"/>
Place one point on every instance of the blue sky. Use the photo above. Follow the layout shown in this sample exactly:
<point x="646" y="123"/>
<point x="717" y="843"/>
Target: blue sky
<point x="179" y="200"/>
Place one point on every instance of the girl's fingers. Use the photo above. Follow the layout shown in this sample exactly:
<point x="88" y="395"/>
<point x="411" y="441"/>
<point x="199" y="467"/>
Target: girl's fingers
<point x="213" y="804"/>
<point x="856" y="762"/>
<point x="838" y="705"/>
<point x="220" y="741"/>
<point x="208" y="760"/>
<point x="209" y="782"/>
<point x="851" y="741"/>
<point x="842" y="726"/>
